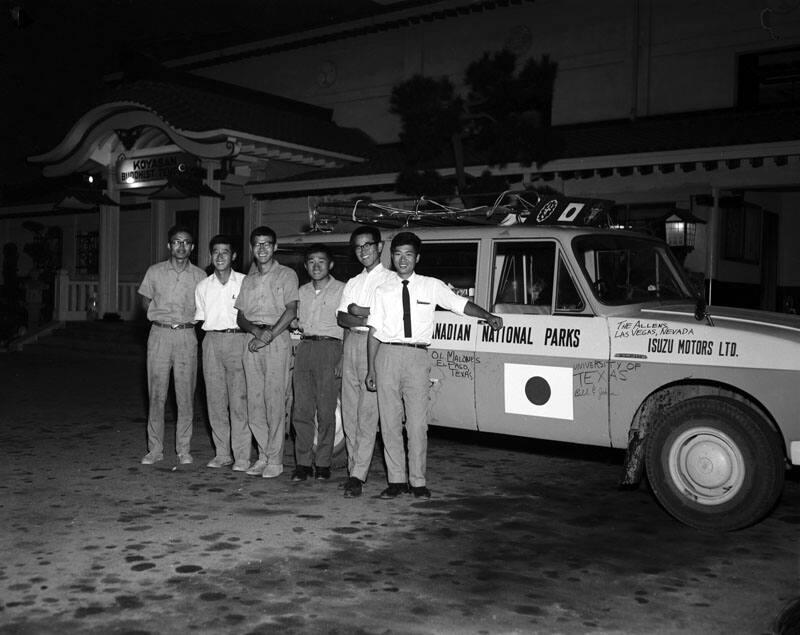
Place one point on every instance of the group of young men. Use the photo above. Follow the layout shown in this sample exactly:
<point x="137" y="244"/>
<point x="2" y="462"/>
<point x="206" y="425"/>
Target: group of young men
<point x="363" y="343"/>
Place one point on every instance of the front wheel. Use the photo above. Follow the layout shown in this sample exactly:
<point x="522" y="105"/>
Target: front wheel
<point x="715" y="463"/>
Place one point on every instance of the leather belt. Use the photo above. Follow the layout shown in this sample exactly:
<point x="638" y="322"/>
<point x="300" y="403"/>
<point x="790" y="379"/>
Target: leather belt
<point x="164" y="325"/>
<point x="225" y="331"/>
<point x="320" y="338"/>
<point x="263" y="326"/>
<point x="409" y="344"/>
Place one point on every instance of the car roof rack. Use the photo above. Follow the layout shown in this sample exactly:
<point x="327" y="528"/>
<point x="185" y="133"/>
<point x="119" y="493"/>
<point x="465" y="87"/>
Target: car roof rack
<point x="510" y="207"/>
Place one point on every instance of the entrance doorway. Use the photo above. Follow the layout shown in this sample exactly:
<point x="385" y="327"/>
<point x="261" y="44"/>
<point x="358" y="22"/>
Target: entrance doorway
<point x="231" y="222"/>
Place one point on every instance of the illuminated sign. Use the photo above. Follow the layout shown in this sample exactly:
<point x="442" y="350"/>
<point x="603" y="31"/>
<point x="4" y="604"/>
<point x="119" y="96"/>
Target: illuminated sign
<point x="154" y="170"/>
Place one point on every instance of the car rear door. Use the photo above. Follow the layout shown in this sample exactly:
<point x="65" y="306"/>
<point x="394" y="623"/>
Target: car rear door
<point x="453" y="347"/>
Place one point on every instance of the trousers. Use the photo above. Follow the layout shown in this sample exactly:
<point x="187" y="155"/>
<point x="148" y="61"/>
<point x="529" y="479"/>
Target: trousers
<point x="266" y="374"/>
<point x="226" y="395"/>
<point x="316" y="389"/>
<point x="359" y="406"/>
<point x="171" y="351"/>
<point x="403" y="382"/>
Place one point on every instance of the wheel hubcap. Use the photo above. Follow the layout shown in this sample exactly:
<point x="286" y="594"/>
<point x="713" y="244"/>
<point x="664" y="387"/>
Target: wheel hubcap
<point x="706" y="465"/>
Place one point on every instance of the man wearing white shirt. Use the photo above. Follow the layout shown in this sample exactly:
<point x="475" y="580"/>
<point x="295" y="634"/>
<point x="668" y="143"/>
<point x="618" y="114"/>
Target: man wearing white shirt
<point x="359" y="406"/>
<point x="222" y="358"/>
<point x="401" y="325"/>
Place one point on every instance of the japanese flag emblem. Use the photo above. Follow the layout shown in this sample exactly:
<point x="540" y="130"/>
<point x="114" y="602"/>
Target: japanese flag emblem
<point x="538" y="391"/>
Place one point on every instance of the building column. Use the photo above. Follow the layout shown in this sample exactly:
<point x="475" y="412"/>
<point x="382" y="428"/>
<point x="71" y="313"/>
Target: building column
<point x="160" y="222"/>
<point x="253" y="217"/>
<point x="108" y="265"/>
<point x="208" y="218"/>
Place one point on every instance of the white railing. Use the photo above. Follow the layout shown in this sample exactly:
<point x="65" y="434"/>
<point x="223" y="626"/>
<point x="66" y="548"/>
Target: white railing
<point x="73" y="297"/>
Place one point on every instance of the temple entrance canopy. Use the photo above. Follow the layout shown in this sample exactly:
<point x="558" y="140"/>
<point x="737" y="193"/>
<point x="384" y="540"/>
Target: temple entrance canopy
<point x="185" y="137"/>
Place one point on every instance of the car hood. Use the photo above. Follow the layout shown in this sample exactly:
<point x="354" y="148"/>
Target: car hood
<point x="730" y="317"/>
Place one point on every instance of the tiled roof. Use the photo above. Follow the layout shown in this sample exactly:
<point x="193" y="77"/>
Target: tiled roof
<point x="704" y="129"/>
<point x="193" y="104"/>
<point x="684" y="131"/>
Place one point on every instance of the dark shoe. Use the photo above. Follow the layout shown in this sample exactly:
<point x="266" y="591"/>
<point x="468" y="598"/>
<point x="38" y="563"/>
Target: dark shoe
<point x="394" y="490"/>
<point x="352" y="488"/>
<point x="301" y="473"/>
<point x="421" y="492"/>
<point x="323" y="473"/>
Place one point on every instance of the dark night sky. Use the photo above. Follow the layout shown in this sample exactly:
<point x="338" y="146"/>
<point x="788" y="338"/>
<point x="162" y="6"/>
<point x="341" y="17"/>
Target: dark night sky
<point x="51" y="67"/>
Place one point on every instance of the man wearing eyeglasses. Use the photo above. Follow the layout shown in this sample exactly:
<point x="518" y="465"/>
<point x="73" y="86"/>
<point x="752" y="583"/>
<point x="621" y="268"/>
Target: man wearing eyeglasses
<point x="266" y="306"/>
<point x="359" y="406"/>
<point x="167" y="292"/>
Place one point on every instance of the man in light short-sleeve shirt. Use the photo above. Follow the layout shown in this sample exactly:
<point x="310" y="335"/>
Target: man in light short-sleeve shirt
<point x="167" y="292"/>
<point x="266" y="306"/>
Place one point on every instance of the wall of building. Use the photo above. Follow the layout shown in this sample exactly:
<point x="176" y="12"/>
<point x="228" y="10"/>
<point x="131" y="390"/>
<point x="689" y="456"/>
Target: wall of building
<point x="616" y="58"/>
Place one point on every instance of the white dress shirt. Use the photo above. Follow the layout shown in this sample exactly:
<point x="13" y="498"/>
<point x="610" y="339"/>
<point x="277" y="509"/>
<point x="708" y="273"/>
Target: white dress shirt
<point x="214" y="302"/>
<point x="361" y="289"/>
<point x="386" y="316"/>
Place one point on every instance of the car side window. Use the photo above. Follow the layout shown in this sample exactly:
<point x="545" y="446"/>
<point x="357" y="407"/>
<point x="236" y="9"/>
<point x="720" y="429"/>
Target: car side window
<point x="455" y="263"/>
<point x="567" y="296"/>
<point x="345" y="264"/>
<point x="523" y="277"/>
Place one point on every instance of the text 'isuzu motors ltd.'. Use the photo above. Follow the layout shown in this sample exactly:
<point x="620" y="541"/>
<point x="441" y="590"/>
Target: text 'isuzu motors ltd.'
<point x="604" y="342"/>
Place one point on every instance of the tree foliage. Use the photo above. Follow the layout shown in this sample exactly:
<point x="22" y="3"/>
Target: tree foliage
<point x="430" y="113"/>
<point x="506" y="114"/>
<point x="508" y="111"/>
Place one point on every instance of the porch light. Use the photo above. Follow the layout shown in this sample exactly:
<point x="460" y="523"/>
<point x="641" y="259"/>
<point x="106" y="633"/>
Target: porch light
<point x="680" y="229"/>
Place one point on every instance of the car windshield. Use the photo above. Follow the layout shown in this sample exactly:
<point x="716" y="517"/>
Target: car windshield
<point x="627" y="269"/>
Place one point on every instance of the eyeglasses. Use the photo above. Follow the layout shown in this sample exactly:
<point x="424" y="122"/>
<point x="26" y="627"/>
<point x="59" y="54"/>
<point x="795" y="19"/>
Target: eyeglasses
<point x="364" y="247"/>
<point x="264" y="245"/>
<point x="177" y="242"/>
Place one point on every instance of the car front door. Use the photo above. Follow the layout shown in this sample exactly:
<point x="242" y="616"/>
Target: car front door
<point x="545" y="373"/>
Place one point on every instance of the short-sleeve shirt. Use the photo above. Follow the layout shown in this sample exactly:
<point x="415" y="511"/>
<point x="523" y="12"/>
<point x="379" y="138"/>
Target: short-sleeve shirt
<point x="361" y="288"/>
<point x="171" y="292"/>
<point x="215" y="302"/>
<point x="264" y="296"/>
<point x="316" y="312"/>
<point x="425" y="292"/>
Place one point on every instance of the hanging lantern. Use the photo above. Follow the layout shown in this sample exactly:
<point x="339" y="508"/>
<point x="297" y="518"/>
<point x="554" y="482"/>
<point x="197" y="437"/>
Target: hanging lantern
<point x="680" y="229"/>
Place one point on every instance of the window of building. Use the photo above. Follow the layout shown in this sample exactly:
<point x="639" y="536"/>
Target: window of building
<point x="87" y="252"/>
<point x="769" y="78"/>
<point x="741" y="233"/>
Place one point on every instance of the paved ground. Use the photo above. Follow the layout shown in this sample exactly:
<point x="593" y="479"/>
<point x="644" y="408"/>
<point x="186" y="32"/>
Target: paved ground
<point x="519" y="537"/>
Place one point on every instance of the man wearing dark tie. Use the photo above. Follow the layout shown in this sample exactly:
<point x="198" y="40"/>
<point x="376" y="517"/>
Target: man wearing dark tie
<point x="400" y="330"/>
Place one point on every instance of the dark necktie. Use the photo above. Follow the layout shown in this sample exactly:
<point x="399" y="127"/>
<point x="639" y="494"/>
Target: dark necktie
<point x="406" y="310"/>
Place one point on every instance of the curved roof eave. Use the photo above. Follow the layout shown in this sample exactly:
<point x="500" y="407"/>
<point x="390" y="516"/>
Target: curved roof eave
<point x="95" y="127"/>
<point x="99" y="123"/>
